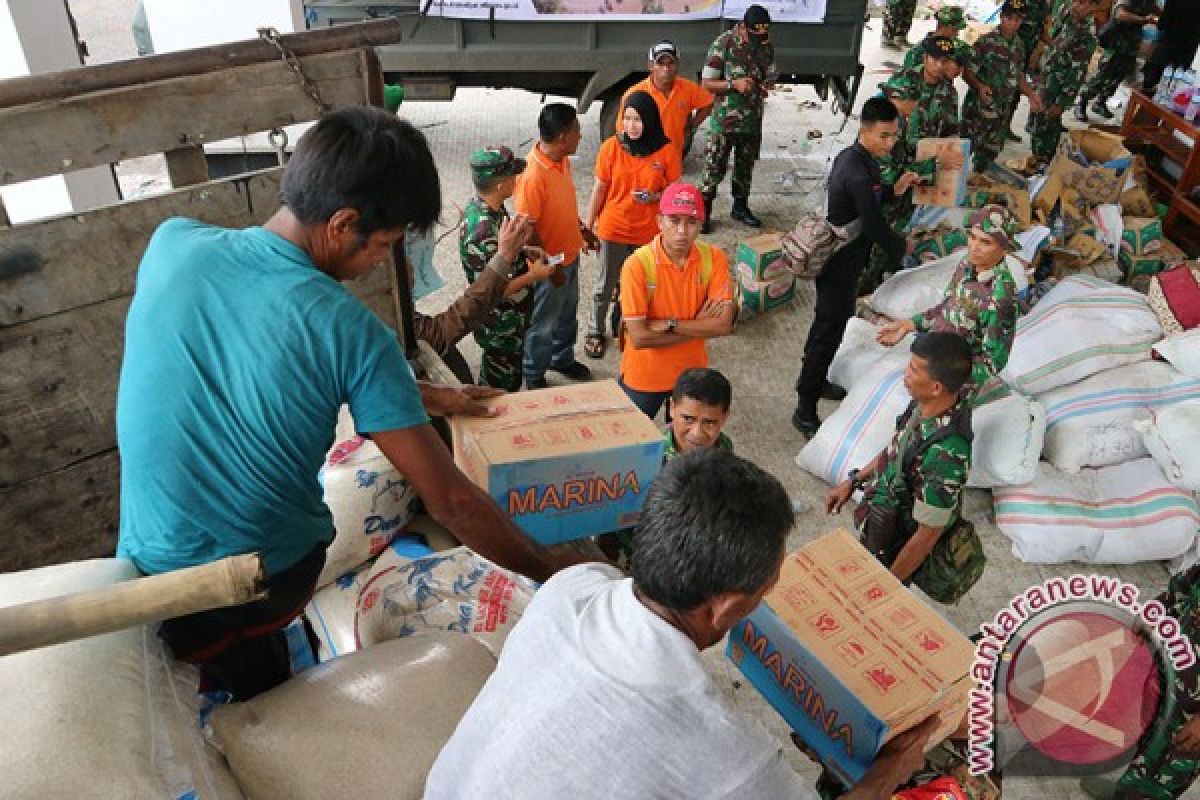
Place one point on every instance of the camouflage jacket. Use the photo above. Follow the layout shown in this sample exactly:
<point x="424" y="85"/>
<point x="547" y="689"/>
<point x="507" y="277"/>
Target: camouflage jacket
<point x="998" y="63"/>
<point x="1065" y="60"/>
<point x="926" y="469"/>
<point x="935" y="115"/>
<point x="670" y="450"/>
<point x="914" y="59"/>
<point x="477" y="244"/>
<point x="730" y="59"/>
<point x="982" y="308"/>
<point x="1034" y="22"/>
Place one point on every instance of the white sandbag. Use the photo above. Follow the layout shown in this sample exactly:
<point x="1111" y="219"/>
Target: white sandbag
<point x="1172" y="437"/>
<point x="366" y="725"/>
<point x="859" y="352"/>
<point x="1182" y="350"/>
<point x="370" y="500"/>
<point x="96" y="717"/>
<point x="456" y="591"/>
<point x="911" y="291"/>
<point x="1091" y="423"/>
<point x="862" y="425"/>
<point x="1082" y="326"/>
<point x="1008" y="434"/>
<point x="1113" y="515"/>
<point x="331" y="614"/>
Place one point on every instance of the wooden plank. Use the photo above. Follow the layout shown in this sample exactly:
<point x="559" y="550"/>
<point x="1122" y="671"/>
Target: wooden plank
<point x="67" y="515"/>
<point x="57" y="85"/>
<point x="58" y="264"/>
<point x="60" y="389"/>
<point x="94" y="129"/>
<point x="186" y="166"/>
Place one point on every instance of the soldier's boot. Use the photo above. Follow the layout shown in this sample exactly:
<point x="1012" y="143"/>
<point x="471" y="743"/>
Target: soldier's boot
<point x="708" y="204"/>
<point x="1081" y="108"/>
<point x="1100" y="108"/>
<point x="742" y="213"/>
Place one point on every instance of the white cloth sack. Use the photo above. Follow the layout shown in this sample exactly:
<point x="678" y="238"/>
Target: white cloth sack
<point x="1005" y="449"/>
<point x="859" y="352"/>
<point x="331" y="614"/>
<point x="366" y="725"/>
<point x="1091" y="423"/>
<point x="371" y="503"/>
<point x="1082" y="326"/>
<point x="1182" y="350"/>
<point x="911" y="291"/>
<point x="456" y="591"/>
<point x="1172" y="437"/>
<point x="98" y="717"/>
<point x="1113" y="515"/>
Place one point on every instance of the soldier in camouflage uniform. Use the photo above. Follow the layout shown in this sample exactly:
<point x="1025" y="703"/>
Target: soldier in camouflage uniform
<point x="917" y="482"/>
<point x="950" y="20"/>
<point x="981" y="300"/>
<point x="928" y="105"/>
<point x="1120" y="57"/>
<point x="493" y="172"/>
<point x="996" y="77"/>
<point x="1061" y="71"/>
<point x="897" y="20"/>
<point x="737" y="70"/>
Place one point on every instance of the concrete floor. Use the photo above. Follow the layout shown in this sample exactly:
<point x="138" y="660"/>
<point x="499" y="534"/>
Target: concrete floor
<point x="763" y="355"/>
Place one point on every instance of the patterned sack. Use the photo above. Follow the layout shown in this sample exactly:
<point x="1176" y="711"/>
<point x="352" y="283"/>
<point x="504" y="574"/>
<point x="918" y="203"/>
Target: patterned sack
<point x="1174" y="296"/>
<point x="808" y="247"/>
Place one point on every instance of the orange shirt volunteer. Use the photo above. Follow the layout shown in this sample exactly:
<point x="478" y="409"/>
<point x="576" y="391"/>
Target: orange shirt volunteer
<point x="546" y="192"/>
<point x="674" y="108"/>
<point x="623" y="219"/>
<point x="678" y="295"/>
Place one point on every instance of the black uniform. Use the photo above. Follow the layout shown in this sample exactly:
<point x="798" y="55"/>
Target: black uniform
<point x="1178" y="37"/>
<point x="856" y="191"/>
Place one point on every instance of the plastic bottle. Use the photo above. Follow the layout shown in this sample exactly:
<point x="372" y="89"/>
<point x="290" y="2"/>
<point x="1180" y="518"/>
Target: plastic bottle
<point x="1163" y="91"/>
<point x="1183" y="92"/>
<point x="1193" y="107"/>
<point x="1059" y="230"/>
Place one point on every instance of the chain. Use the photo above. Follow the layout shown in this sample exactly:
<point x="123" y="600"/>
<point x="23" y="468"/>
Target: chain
<point x="272" y="36"/>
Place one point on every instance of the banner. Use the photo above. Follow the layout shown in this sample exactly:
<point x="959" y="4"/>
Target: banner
<point x="811" y="11"/>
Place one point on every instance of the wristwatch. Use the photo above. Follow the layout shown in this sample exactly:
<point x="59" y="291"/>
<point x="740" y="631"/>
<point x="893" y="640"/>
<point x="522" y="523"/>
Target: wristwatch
<point x="855" y="481"/>
<point x="672" y="324"/>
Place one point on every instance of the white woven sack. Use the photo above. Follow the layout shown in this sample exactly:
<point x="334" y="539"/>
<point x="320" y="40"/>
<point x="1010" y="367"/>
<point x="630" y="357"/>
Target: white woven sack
<point x="1008" y="435"/>
<point x="1082" y="326"/>
<point x="457" y="591"/>
<point x="371" y="503"/>
<point x="1172" y="436"/>
<point x="859" y="352"/>
<point x="331" y="612"/>
<point x="1091" y="423"/>
<point x="1183" y="351"/>
<point x="911" y="291"/>
<point x="366" y="725"/>
<point x="1113" y="515"/>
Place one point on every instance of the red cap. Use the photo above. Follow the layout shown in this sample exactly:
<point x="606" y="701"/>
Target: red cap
<point x="682" y="198"/>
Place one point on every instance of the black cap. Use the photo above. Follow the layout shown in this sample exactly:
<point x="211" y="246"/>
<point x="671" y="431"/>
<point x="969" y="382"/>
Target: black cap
<point x="757" y="20"/>
<point x="1014" y="7"/>
<point x="940" y="47"/>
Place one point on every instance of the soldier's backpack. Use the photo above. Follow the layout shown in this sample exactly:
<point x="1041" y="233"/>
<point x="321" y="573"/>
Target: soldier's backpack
<point x="809" y="245"/>
<point x="645" y="254"/>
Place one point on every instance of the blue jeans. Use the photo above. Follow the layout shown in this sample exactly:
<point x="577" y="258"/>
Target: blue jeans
<point x="648" y="403"/>
<point x="553" y="328"/>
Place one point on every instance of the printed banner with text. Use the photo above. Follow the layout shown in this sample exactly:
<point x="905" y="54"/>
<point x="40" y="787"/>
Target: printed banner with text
<point x="810" y="11"/>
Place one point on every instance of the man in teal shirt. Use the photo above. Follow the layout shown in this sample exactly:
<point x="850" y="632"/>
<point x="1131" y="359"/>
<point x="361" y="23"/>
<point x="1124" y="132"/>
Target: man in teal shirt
<point x="240" y="347"/>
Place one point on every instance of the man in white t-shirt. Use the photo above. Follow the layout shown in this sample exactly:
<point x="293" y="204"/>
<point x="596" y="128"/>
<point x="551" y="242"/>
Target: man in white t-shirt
<point x="601" y="692"/>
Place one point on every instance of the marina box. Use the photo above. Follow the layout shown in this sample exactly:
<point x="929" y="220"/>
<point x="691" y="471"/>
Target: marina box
<point x="849" y="657"/>
<point x="564" y="462"/>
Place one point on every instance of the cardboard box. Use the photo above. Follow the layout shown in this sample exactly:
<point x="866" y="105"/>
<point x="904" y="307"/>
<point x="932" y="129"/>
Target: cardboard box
<point x="1142" y="235"/>
<point x="564" y="462"/>
<point x="1094" y="163"/>
<point x="1133" y="264"/>
<point x="848" y="656"/>
<point x="764" y="280"/>
<point x="949" y="188"/>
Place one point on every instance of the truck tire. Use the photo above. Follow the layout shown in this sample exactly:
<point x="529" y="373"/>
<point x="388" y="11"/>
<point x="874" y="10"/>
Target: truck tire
<point x="608" y="116"/>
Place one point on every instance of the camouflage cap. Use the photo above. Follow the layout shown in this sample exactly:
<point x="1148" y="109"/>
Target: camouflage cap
<point x="951" y="16"/>
<point x="940" y="47"/>
<point x="495" y="161"/>
<point x="904" y="85"/>
<point x="1014" y="7"/>
<point x="998" y="222"/>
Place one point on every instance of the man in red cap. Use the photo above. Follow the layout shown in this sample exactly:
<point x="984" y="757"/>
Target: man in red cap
<point x="675" y="293"/>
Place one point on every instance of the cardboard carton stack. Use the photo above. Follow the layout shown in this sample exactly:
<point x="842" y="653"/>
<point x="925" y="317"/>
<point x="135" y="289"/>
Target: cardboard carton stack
<point x="764" y="280"/>
<point x="849" y="657"/>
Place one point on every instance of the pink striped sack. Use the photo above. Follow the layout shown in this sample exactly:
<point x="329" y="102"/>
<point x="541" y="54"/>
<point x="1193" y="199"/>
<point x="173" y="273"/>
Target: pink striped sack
<point x="1082" y="326"/>
<point x="1114" y="515"/>
<point x="1092" y="423"/>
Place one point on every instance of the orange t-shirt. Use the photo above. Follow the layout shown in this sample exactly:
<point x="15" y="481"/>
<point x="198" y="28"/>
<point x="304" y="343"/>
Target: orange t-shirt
<point x="623" y="219"/>
<point x="678" y="295"/>
<point x="675" y="109"/>
<point x="546" y="192"/>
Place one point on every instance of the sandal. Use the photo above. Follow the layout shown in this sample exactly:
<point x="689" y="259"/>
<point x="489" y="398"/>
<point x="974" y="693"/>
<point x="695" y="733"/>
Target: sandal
<point x="594" y="345"/>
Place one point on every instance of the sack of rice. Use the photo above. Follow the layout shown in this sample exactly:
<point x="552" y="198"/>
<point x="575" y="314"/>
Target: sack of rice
<point x="101" y="716"/>
<point x="369" y="724"/>
<point x="370" y="500"/>
<point x="1082" y="326"/>
<point x="1091" y="423"/>
<point x="1172" y="436"/>
<point x="1113" y="515"/>
<point x="453" y="591"/>
<point x="859" y="352"/>
<point x="1008" y="428"/>
<point x="911" y="291"/>
<point x="1182" y="351"/>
